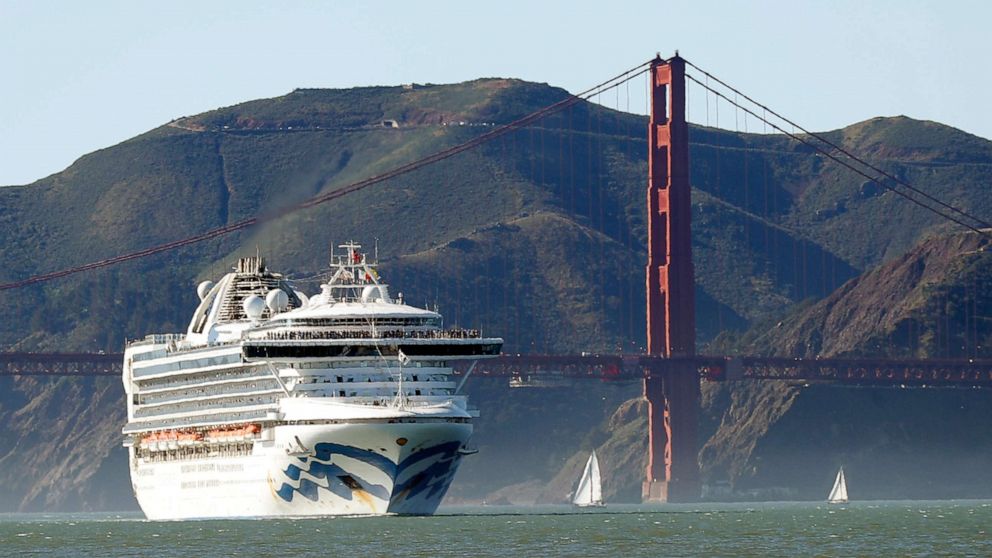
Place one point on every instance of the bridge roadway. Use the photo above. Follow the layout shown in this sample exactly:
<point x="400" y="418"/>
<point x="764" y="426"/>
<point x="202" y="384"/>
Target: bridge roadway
<point x="845" y="371"/>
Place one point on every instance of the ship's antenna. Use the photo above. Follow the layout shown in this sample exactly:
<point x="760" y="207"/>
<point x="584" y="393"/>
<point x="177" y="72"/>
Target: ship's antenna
<point x="377" y="249"/>
<point x="399" y="389"/>
<point x="400" y="395"/>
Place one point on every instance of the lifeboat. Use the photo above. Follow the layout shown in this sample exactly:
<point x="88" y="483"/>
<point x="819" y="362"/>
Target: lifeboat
<point x="189" y="438"/>
<point x="214" y="435"/>
<point x="157" y="441"/>
<point x="229" y="434"/>
<point x="171" y="440"/>
<point x="242" y="434"/>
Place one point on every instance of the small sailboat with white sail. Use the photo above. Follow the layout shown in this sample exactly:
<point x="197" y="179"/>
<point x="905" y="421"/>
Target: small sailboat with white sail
<point x="838" y="494"/>
<point x="589" y="493"/>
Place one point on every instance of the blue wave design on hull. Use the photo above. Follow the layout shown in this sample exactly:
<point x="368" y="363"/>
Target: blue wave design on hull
<point x="434" y="479"/>
<point x="332" y="473"/>
<point x="427" y="486"/>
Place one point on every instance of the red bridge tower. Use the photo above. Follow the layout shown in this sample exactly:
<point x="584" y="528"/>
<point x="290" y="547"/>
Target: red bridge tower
<point x="673" y="394"/>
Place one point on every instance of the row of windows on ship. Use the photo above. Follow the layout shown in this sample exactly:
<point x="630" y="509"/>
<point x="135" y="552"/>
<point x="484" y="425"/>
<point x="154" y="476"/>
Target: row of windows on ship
<point x="245" y="375"/>
<point x="225" y="450"/>
<point x="389" y="378"/>
<point x="254" y="397"/>
<point x="203" y="392"/>
<point x="227" y="402"/>
<point x="375" y="399"/>
<point x="270" y="384"/>
<point x="193" y="377"/>
<point x="363" y="321"/>
<point x="297" y="335"/>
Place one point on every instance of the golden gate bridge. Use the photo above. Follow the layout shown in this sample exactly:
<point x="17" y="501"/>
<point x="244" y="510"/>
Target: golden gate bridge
<point x="670" y="369"/>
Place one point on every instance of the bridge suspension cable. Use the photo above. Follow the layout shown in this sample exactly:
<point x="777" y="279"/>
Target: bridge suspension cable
<point x="568" y="101"/>
<point x="952" y="211"/>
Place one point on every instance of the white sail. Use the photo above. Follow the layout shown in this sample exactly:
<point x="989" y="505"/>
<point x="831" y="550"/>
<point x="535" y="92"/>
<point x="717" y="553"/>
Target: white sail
<point x="838" y="494"/>
<point x="590" y="490"/>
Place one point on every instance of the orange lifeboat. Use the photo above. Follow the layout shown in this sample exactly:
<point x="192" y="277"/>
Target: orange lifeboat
<point x="171" y="440"/>
<point x="189" y="438"/>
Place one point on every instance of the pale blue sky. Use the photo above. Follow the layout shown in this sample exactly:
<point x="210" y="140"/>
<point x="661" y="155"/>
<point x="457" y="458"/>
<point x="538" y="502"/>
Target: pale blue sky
<point x="79" y="76"/>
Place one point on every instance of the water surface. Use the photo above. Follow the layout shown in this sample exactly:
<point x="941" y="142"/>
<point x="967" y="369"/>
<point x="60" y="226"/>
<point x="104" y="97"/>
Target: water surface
<point x="907" y="528"/>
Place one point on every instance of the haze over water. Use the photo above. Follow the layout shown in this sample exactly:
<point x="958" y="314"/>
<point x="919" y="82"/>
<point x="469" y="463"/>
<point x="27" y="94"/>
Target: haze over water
<point x="903" y="528"/>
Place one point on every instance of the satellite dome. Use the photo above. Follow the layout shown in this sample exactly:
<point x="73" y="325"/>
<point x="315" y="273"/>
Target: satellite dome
<point x="253" y="306"/>
<point x="203" y="289"/>
<point x="277" y="300"/>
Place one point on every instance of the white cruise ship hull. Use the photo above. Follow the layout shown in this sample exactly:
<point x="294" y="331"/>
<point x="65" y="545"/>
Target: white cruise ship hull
<point x="276" y="404"/>
<point x="366" y="468"/>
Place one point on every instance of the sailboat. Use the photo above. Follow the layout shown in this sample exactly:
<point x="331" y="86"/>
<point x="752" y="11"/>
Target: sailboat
<point x="590" y="491"/>
<point x="838" y="494"/>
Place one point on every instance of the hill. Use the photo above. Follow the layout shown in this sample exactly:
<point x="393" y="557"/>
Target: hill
<point x="538" y="237"/>
<point x="924" y="304"/>
<point x="927" y="303"/>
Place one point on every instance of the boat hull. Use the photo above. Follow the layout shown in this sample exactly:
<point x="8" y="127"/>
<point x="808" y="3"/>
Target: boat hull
<point x="372" y="468"/>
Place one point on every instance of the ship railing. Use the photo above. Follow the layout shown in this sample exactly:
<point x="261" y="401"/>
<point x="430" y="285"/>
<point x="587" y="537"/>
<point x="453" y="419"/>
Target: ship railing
<point x="213" y="405"/>
<point x="187" y="346"/>
<point x="199" y="451"/>
<point x="175" y="342"/>
<point x="410" y="400"/>
<point x="373" y="380"/>
<point x="205" y="419"/>
<point x="157" y="339"/>
<point x="210" y="393"/>
<point x="307" y="335"/>
<point x="240" y="375"/>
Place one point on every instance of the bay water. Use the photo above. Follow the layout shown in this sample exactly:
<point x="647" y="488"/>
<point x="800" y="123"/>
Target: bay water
<point x="898" y="528"/>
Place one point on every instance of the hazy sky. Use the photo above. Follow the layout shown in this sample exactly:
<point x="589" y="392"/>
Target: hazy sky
<point x="83" y="75"/>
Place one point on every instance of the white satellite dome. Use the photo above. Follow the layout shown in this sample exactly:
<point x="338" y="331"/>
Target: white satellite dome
<point x="253" y="306"/>
<point x="203" y="289"/>
<point x="277" y="300"/>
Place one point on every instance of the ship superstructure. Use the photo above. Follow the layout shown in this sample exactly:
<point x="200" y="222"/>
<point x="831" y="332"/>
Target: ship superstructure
<point x="275" y="404"/>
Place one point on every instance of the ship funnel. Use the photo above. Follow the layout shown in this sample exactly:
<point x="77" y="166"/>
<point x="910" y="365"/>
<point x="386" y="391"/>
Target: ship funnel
<point x="372" y="293"/>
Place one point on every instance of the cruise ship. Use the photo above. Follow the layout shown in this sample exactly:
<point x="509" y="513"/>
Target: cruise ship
<point x="274" y="403"/>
